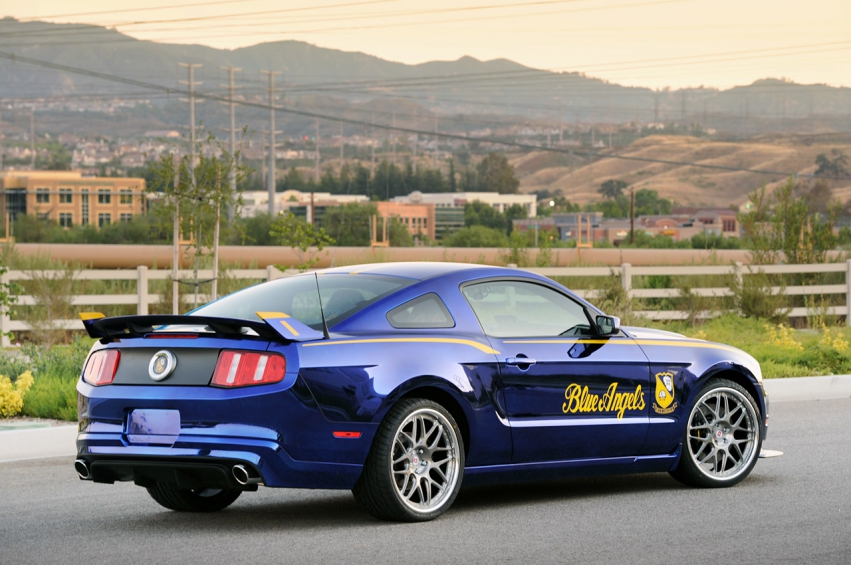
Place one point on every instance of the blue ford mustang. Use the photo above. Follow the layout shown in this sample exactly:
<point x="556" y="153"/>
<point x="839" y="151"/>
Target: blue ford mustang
<point x="400" y="381"/>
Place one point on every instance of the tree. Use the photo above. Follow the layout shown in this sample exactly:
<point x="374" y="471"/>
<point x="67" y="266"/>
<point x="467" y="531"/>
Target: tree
<point x="305" y="239"/>
<point x="293" y="180"/>
<point x="195" y="194"/>
<point x="612" y="188"/>
<point x="497" y="175"/>
<point x="819" y="197"/>
<point x="7" y="295"/>
<point x="398" y="234"/>
<point x="255" y="230"/>
<point x="478" y="236"/>
<point x="514" y="212"/>
<point x="784" y="224"/>
<point x="349" y="224"/>
<point x="453" y="186"/>
<point x="477" y="213"/>
<point x="648" y="203"/>
<point x="837" y="166"/>
<point x="389" y="181"/>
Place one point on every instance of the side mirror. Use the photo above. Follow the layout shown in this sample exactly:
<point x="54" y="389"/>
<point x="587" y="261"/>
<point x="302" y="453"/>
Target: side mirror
<point x="608" y="325"/>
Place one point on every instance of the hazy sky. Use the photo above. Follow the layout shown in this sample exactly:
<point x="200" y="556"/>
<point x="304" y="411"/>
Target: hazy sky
<point x="653" y="43"/>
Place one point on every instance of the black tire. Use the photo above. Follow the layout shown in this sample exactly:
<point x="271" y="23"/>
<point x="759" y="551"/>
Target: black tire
<point x="425" y="478"/>
<point x="723" y="437"/>
<point x="179" y="499"/>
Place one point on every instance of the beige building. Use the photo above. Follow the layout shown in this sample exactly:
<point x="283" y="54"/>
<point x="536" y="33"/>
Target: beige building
<point x="418" y="218"/>
<point x="71" y="199"/>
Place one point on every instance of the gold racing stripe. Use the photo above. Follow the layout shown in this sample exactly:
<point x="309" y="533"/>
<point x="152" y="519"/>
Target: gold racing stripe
<point x="656" y="342"/>
<point x="479" y="346"/>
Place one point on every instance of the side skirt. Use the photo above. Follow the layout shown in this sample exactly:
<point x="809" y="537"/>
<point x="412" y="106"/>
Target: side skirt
<point x="547" y="470"/>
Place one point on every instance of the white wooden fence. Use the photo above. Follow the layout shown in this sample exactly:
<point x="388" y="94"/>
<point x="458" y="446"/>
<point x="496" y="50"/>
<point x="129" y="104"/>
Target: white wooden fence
<point x="142" y="298"/>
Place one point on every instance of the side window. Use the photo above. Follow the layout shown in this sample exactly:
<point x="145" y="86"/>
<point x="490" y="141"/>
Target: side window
<point x="426" y="311"/>
<point x="523" y="309"/>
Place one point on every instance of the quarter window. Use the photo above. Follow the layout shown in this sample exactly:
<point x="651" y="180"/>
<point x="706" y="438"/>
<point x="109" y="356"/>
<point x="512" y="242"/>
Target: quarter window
<point x="104" y="196"/>
<point x="65" y="195"/>
<point x="104" y="219"/>
<point x="427" y="311"/>
<point x="42" y="195"/>
<point x="126" y="196"/>
<point x="523" y="309"/>
<point x="65" y="220"/>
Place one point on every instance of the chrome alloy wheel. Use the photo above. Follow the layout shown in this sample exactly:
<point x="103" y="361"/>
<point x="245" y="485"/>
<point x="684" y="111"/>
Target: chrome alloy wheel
<point x="425" y="460"/>
<point x="723" y="432"/>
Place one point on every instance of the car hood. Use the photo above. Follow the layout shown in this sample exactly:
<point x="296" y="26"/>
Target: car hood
<point x="648" y="333"/>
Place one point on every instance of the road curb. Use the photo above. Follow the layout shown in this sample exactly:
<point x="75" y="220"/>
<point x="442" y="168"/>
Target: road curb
<point x="38" y="443"/>
<point x="808" y="388"/>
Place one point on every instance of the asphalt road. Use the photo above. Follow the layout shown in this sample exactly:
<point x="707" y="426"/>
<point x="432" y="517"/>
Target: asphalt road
<point x="792" y="509"/>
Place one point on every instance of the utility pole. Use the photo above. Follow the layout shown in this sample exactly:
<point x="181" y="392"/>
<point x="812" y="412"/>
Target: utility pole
<point x="631" y="215"/>
<point x="656" y="107"/>
<point x="1" y="149"/>
<point x="436" y="139"/>
<point x="416" y="142"/>
<point x="175" y="258"/>
<point x="231" y="87"/>
<point x="372" y="145"/>
<point x="560" y="123"/>
<point x="549" y="127"/>
<point x="394" y="138"/>
<point x="32" y="137"/>
<point x="611" y="123"/>
<point x="191" y="84"/>
<point x="316" y="148"/>
<point x="270" y="176"/>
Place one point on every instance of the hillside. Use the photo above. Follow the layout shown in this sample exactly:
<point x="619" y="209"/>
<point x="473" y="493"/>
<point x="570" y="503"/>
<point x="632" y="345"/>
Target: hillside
<point x="686" y="185"/>
<point x="466" y="85"/>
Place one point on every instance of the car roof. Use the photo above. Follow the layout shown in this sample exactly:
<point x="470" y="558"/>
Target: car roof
<point x="419" y="270"/>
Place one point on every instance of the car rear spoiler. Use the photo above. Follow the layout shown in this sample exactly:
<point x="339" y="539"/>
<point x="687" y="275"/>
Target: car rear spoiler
<point x="275" y="326"/>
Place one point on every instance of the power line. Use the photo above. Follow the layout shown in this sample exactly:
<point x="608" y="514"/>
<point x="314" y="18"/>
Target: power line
<point x="146" y="9"/>
<point x="83" y="27"/>
<point x="363" y="123"/>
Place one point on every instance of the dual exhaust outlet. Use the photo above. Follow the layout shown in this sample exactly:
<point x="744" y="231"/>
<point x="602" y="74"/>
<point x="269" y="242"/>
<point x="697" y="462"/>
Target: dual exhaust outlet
<point x="241" y="474"/>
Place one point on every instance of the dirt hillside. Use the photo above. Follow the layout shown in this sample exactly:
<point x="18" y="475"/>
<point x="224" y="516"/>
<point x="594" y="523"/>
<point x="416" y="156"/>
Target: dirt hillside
<point x="579" y="180"/>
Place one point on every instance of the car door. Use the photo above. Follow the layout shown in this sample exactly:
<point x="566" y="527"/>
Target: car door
<point x="569" y="393"/>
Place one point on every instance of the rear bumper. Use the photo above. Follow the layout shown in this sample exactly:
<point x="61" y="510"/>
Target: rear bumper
<point x="271" y="430"/>
<point x="209" y="461"/>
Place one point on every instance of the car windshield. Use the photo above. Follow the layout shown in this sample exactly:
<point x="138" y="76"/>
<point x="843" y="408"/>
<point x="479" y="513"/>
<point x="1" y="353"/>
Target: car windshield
<point x="342" y="296"/>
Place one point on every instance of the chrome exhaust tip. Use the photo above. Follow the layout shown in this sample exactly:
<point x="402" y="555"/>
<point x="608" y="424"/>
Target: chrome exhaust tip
<point x="82" y="469"/>
<point x="243" y="477"/>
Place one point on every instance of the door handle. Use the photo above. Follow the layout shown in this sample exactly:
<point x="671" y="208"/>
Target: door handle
<point x="520" y="361"/>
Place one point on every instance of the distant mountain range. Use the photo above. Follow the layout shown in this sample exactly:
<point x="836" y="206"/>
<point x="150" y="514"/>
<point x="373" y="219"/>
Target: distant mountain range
<point x="329" y="78"/>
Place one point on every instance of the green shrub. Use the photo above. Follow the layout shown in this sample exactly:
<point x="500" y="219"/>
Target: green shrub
<point x="55" y="370"/>
<point x="52" y="396"/>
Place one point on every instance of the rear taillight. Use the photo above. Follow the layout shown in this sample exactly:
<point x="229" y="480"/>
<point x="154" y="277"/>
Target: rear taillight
<point x="246" y="368"/>
<point x="101" y="368"/>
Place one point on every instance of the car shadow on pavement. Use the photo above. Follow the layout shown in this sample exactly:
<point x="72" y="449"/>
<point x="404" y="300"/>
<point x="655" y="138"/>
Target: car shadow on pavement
<point x="480" y="497"/>
<point x="295" y="510"/>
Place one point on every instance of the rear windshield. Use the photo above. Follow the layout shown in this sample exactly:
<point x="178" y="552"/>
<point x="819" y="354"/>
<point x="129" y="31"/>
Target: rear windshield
<point x="342" y="296"/>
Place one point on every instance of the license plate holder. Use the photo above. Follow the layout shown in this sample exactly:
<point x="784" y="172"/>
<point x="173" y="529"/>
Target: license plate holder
<point x="153" y="427"/>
